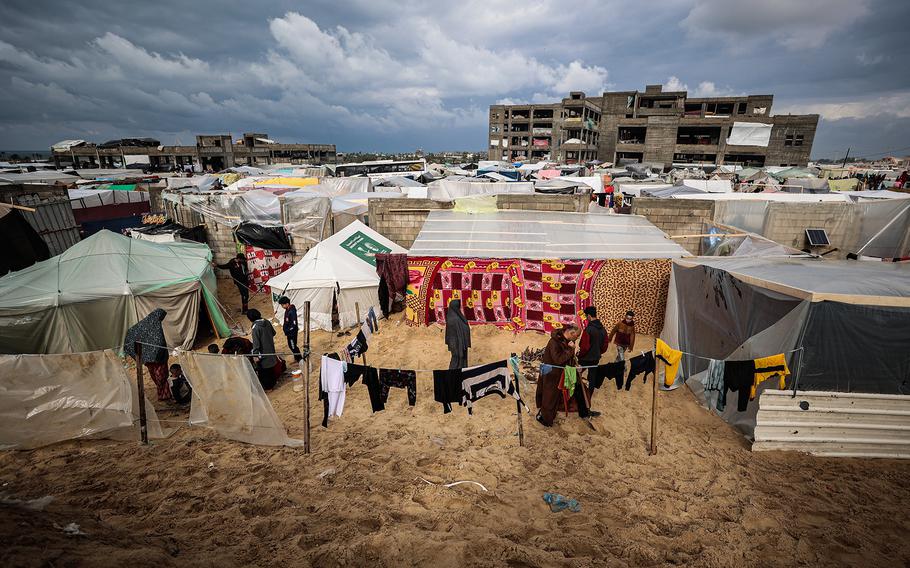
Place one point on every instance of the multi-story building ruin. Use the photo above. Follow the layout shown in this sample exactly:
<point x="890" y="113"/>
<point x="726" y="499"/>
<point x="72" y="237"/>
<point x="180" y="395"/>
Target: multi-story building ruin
<point x="653" y="126"/>
<point x="216" y="152"/>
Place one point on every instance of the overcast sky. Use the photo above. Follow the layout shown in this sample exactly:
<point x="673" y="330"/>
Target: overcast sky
<point x="378" y="75"/>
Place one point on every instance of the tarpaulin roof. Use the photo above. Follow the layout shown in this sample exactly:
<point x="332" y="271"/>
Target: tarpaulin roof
<point x="289" y="181"/>
<point x="853" y="282"/>
<point x="539" y="235"/>
<point x="87" y="297"/>
<point x="749" y="134"/>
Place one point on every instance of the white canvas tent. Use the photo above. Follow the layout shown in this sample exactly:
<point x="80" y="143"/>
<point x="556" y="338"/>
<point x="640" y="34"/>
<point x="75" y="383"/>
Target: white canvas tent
<point x="341" y="270"/>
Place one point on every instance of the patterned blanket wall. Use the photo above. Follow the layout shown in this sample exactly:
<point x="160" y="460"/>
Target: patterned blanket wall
<point x="543" y="295"/>
<point x="264" y="264"/>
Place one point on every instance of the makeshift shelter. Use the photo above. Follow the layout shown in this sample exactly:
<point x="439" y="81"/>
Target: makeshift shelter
<point x="86" y="298"/>
<point x="22" y="243"/>
<point x="538" y="270"/>
<point x="339" y="271"/>
<point x="843" y="325"/>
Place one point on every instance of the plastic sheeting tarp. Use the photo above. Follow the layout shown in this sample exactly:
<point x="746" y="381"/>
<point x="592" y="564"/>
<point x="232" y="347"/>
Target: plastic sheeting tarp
<point x="635" y="188"/>
<point x="306" y="216"/>
<point x="287" y="182"/>
<point x="540" y="235"/>
<point x="709" y="185"/>
<point x="749" y="134"/>
<point x="342" y="264"/>
<point x="269" y="238"/>
<point x="843" y="184"/>
<point x="845" y="321"/>
<point x="23" y="246"/>
<point x="228" y="398"/>
<point x="46" y="399"/>
<point x="86" y="298"/>
<point x="84" y="198"/>
<point x="805" y="185"/>
<point x="446" y="190"/>
<point x="594" y="182"/>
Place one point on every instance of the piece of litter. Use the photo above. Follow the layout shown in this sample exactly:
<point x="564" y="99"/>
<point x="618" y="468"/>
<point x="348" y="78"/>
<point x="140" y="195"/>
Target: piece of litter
<point x="559" y="503"/>
<point x="438" y="441"/>
<point x="72" y="529"/>
<point x="31" y="504"/>
<point x="211" y="465"/>
<point x="326" y="473"/>
<point x="453" y="484"/>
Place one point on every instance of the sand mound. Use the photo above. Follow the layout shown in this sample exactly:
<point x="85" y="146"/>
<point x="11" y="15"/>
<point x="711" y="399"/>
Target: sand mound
<point x="704" y="500"/>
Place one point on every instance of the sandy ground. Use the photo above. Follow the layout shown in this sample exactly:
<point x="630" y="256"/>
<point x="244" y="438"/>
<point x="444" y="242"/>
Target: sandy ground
<point x="703" y="500"/>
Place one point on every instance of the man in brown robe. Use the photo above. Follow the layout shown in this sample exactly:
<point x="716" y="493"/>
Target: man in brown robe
<point x="559" y="352"/>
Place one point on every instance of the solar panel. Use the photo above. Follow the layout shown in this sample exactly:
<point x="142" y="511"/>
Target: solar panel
<point x="817" y="238"/>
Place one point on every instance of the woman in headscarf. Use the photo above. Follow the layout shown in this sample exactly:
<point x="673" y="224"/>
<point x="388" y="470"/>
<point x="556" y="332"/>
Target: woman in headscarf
<point x="458" y="335"/>
<point x="150" y="333"/>
<point x="559" y="352"/>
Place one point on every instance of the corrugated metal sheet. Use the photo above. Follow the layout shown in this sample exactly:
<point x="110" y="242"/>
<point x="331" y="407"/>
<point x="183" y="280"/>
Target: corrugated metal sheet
<point x="53" y="220"/>
<point x="834" y="424"/>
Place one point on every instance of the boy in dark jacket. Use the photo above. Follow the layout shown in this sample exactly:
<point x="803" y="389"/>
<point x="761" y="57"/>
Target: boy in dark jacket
<point x="290" y="326"/>
<point x="623" y="336"/>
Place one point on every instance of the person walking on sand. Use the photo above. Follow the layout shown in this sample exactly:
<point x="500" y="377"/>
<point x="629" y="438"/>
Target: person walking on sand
<point x="458" y="335"/>
<point x="149" y="333"/>
<point x="623" y="335"/>
<point x="593" y="344"/>
<point x="290" y="326"/>
<point x="268" y="365"/>
<point x="559" y="352"/>
<point x="240" y="275"/>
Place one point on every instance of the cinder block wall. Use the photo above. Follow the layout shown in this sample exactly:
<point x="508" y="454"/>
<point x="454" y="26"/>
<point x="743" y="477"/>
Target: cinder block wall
<point x="677" y="217"/>
<point x="786" y="223"/>
<point x="538" y="202"/>
<point x="400" y="220"/>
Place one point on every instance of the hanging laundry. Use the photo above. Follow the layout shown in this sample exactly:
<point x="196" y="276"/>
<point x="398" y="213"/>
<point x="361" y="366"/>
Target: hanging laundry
<point x="366" y="331"/>
<point x="714" y="382"/>
<point x="396" y="378"/>
<point x="612" y="371"/>
<point x="331" y="382"/>
<point x="358" y="346"/>
<point x="738" y="377"/>
<point x="516" y="368"/>
<point x="447" y="388"/>
<point x="570" y="377"/>
<point x="671" y="358"/>
<point x="545" y="369"/>
<point x="374" y="387"/>
<point x="482" y="380"/>
<point x="641" y="364"/>
<point x="345" y="355"/>
<point x="353" y="373"/>
<point x="768" y="367"/>
<point x="372" y="321"/>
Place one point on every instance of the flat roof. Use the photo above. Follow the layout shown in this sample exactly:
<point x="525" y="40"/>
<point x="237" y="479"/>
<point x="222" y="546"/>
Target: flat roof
<point x="542" y="235"/>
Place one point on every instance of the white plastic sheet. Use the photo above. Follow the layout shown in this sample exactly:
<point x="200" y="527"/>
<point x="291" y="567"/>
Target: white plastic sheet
<point x="46" y="399"/>
<point x="228" y="398"/>
<point x="445" y="190"/>
<point x="749" y="134"/>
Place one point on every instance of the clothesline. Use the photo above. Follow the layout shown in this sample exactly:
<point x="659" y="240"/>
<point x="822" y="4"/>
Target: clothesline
<point x="304" y="353"/>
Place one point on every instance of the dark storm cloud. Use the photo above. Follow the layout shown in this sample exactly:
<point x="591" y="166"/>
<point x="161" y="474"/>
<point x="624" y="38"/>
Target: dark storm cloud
<point x="394" y="76"/>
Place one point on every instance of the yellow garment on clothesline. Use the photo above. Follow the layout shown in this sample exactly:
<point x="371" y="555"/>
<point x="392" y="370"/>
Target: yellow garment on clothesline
<point x="767" y="367"/>
<point x="671" y="358"/>
<point x="292" y="181"/>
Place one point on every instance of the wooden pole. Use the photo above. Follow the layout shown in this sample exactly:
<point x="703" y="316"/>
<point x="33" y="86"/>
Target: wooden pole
<point x="357" y="313"/>
<point x="140" y="387"/>
<point x="306" y="386"/>
<point x="654" y="415"/>
<point x="521" y="430"/>
<point x="19" y="207"/>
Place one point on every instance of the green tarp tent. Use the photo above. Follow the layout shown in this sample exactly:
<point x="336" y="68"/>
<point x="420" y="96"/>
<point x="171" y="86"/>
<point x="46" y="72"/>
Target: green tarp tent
<point x="86" y="298"/>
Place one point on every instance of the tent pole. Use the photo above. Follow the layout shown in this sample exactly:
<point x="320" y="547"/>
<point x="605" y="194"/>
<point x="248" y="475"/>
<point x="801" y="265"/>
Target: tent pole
<point x="140" y="387"/>
<point x="521" y="430"/>
<point x="357" y="313"/>
<point x="654" y="415"/>
<point x="306" y="349"/>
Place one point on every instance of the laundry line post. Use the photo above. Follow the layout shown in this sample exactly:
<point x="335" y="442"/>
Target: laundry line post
<point x="357" y="313"/>
<point x="653" y="450"/>
<point x="521" y="430"/>
<point x="306" y="384"/>
<point x="140" y="388"/>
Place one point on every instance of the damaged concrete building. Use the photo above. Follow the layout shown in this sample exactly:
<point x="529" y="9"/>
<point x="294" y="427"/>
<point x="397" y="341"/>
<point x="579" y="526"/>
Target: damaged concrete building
<point x="653" y="126"/>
